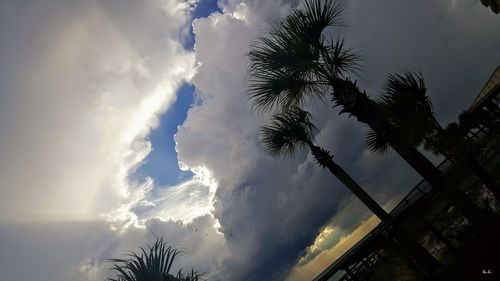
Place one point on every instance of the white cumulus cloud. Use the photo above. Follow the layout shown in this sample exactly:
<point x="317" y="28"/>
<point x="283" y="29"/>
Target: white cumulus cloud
<point x="85" y="85"/>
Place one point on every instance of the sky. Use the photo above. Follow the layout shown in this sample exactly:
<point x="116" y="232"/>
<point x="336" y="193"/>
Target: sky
<point x="122" y="119"/>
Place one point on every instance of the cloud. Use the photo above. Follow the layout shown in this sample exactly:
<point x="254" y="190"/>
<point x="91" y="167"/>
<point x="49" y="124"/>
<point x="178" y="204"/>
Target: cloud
<point x="271" y="210"/>
<point x="85" y="83"/>
<point x="258" y="198"/>
<point x="446" y="41"/>
<point x="450" y="43"/>
<point x="79" y="250"/>
<point x="184" y="202"/>
<point x="84" y="87"/>
<point x="311" y="268"/>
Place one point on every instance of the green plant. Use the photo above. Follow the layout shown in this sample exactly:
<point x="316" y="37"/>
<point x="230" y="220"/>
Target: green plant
<point x="296" y="63"/>
<point x="152" y="263"/>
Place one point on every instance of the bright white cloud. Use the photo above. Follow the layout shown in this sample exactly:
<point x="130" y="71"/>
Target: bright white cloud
<point x="78" y="250"/>
<point x="87" y="80"/>
<point x="222" y="134"/>
<point x="86" y="83"/>
<point x="270" y="210"/>
<point x="82" y="98"/>
<point x="184" y="202"/>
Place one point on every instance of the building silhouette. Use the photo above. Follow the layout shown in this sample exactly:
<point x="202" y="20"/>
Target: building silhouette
<point x="359" y="261"/>
<point x="493" y="4"/>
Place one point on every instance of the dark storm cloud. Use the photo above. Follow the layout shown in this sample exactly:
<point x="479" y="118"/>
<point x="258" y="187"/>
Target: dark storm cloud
<point x="451" y="42"/>
<point x="79" y="250"/>
<point x="273" y="209"/>
<point x="269" y="210"/>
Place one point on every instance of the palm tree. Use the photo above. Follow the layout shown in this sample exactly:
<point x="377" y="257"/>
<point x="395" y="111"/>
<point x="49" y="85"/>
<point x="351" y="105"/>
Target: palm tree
<point x="151" y="264"/>
<point x="408" y="108"/>
<point x="493" y="4"/>
<point x="295" y="64"/>
<point x="293" y="130"/>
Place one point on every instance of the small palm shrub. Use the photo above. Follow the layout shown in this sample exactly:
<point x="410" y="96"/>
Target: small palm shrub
<point x="152" y="263"/>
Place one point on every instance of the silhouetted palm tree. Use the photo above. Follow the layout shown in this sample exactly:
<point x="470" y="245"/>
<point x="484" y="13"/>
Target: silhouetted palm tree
<point x="151" y="264"/>
<point x="295" y="63"/>
<point x="293" y="130"/>
<point x="407" y="107"/>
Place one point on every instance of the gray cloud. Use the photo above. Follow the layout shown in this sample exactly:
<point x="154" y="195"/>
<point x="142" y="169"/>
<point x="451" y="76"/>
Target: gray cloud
<point x="277" y="207"/>
<point x="75" y="78"/>
<point x="266" y="213"/>
<point x="80" y="94"/>
<point x="79" y="250"/>
<point x="83" y="83"/>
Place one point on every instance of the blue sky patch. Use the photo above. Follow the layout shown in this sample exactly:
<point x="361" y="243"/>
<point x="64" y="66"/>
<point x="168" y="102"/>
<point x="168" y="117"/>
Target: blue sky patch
<point x="161" y="164"/>
<point x="203" y="9"/>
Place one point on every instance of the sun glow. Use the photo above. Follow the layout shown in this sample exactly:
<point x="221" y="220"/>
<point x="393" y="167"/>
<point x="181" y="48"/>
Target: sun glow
<point x="188" y="200"/>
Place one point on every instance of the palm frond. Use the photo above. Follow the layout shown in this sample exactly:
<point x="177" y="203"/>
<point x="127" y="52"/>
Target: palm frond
<point x="407" y="107"/>
<point x="290" y="64"/>
<point x="376" y="142"/>
<point x="341" y="60"/>
<point x="190" y="276"/>
<point x="150" y="264"/>
<point x="323" y="13"/>
<point x="408" y="81"/>
<point x="282" y="49"/>
<point x="281" y="89"/>
<point x="288" y="132"/>
<point x="318" y="15"/>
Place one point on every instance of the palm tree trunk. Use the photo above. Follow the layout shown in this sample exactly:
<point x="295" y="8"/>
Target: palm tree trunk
<point x="415" y="252"/>
<point x="356" y="103"/>
<point x="325" y="160"/>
